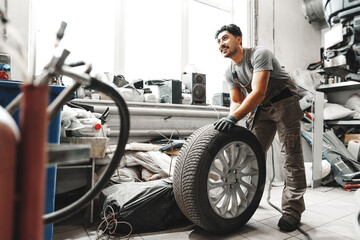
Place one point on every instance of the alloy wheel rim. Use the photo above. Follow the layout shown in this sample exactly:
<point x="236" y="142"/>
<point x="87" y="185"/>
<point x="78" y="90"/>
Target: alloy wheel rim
<point x="233" y="179"/>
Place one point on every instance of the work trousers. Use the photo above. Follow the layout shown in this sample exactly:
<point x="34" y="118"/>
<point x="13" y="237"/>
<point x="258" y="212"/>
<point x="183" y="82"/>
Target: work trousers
<point x="284" y="117"/>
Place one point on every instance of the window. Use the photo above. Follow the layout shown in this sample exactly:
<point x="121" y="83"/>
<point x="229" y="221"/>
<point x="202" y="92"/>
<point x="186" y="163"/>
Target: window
<point x="203" y="48"/>
<point x="144" y="39"/>
<point x="152" y="33"/>
<point x="89" y="36"/>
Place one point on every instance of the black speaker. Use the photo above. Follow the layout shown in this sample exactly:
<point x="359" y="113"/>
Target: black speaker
<point x="221" y="99"/>
<point x="196" y="83"/>
<point x="170" y="92"/>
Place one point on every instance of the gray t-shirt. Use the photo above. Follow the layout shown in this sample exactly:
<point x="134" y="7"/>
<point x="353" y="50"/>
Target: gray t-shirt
<point x="261" y="59"/>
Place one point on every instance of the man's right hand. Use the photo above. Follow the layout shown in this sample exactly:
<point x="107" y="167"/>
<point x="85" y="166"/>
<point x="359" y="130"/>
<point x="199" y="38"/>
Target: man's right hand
<point x="226" y="123"/>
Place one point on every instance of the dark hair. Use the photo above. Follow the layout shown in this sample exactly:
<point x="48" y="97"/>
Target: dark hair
<point x="231" y="28"/>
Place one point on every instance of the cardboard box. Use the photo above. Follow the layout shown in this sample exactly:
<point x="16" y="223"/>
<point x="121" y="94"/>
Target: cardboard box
<point x="351" y="136"/>
<point x="98" y="144"/>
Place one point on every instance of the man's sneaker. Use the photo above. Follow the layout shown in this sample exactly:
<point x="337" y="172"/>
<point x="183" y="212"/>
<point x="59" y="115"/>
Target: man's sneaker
<point x="288" y="223"/>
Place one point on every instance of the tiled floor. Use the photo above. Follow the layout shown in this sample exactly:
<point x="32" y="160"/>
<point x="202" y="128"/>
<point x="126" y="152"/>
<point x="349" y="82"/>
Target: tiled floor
<point x="330" y="214"/>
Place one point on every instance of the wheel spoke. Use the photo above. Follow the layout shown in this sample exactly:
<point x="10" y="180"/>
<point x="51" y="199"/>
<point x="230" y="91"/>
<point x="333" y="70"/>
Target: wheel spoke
<point x="238" y="156"/>
<point x="243" y="199"/>
<point x="223" y="161"/>
<point x="225" y="204"/>
<point x="249" y="186"/>
<point x="213" y="185"/>
<point x="246" y="161"/>
<point x="230" y="151"/>
<point x="217" y="171"/>
<point x="234" y="202"/>
<point x="216" y="199"/>
<point x="253" y="172"/>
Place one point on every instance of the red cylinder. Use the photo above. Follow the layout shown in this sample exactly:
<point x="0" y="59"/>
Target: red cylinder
<point x="32" y="163"/>
<point x="9" y="137"/>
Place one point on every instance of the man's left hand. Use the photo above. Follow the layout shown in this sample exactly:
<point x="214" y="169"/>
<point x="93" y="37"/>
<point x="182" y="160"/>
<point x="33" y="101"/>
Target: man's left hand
<point x="226" y="123"/>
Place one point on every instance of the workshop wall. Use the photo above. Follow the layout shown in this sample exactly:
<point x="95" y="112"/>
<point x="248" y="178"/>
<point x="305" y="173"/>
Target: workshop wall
<point x="283" y="29"/>
<point x="17" y="8"/>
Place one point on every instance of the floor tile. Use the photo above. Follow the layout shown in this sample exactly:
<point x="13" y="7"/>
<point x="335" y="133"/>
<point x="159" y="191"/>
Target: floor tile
<point x="273" y="199"/>
<point x="59" y="228"/>
<point x="132" y="237"/>
<point x="313" y="219"/>
<point x="265" y="211"/>
<point x="351" y="218"/>
<point x="350" y="197"/>
<point x="200" y="234"/>
<point x="330" y="214"/>
<point x="346" y="206"/>
<point x="79" y="234"/>
<point x="167" y="236"/>
<point x="322" y="234"/>
<point x="329" y="192"/>
<point x="330" y="209"/>
<point x="272" y="222"/>
<point x="256" y="231"/>
<point x="342" y="228"/>
<point x="316" y="196"/>
<point x="309" y="203"/>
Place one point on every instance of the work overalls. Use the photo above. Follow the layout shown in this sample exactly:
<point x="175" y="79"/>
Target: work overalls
<point x="280" y="110"/>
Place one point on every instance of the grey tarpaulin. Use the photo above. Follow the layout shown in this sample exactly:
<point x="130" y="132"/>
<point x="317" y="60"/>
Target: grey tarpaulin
<point x="147" y="206"/>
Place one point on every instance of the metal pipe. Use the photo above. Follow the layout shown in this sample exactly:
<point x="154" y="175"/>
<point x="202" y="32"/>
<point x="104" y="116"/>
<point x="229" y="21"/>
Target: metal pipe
<point x="32" y="163"/>
<point x="165" y="112"/>
<point x="166" y="132"/>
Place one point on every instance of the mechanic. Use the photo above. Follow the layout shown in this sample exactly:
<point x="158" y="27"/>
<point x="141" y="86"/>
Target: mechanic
<point x="263" y="90"/>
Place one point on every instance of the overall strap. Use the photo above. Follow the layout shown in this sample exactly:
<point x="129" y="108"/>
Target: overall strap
<point x="235" y="76"/>
<point x="233" y="72"/>
<point x="248" y="60"/>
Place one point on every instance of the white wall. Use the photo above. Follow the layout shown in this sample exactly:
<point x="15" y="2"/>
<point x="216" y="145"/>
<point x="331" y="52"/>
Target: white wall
<point x="283" y="29"/>
<point x="18" y="15"/>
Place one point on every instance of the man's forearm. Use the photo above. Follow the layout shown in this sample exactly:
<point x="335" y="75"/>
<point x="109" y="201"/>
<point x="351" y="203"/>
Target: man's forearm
<point x="249" y="103"/>
<point x="233" y="107"/>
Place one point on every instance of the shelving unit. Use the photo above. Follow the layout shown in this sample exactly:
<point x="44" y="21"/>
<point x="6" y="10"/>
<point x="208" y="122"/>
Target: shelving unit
<point x="334" y="93"/>
<point x="345" y="88"/>
<point x="343" y="122"/>
<point x="342" y="86"/>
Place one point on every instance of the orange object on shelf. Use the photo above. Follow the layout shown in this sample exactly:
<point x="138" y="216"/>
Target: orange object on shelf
<point x="3" y="76"/>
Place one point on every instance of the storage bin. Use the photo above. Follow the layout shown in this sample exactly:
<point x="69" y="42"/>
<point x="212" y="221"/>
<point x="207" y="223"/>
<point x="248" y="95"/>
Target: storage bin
<point x="8" y="91"/>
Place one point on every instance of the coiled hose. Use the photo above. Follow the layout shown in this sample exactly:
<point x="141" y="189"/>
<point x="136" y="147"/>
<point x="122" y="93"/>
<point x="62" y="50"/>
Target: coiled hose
<point x="76" y="206"/>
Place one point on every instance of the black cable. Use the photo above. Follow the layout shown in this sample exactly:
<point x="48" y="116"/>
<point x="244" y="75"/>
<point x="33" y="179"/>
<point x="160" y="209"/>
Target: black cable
<point x="269" y="189"/>
<point x="3" y="18"/>
<point x="119" y="152"/>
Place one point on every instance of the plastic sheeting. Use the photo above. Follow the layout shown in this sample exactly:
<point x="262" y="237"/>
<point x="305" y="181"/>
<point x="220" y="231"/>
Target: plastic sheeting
<point x="155" y="161"/>
<point x="147" y="206"/>
<point x="333" y="111"/>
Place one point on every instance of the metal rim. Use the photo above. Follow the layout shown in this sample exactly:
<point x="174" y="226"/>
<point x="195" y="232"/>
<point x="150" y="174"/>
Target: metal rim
<point x="233" y="179"/>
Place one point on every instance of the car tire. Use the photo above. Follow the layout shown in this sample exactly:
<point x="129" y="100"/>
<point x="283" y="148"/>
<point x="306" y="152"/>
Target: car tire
<point x="219" y="178"/>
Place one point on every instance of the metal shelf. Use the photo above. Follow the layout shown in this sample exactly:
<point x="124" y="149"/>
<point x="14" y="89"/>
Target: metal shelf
<point x="343" y="122"/>
<point x="342" y="86"/>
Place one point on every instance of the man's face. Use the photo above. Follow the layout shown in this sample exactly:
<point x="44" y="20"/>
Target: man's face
<point x="228" y="44"/>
